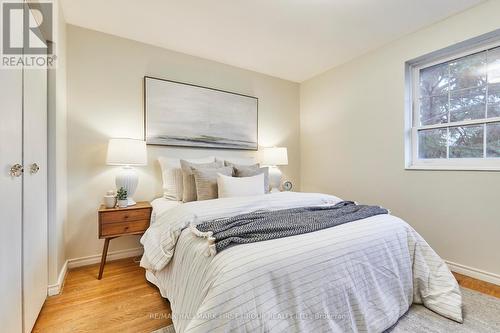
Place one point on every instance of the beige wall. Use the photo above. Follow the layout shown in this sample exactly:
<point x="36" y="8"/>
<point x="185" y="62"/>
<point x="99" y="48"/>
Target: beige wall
<point x="352" y="126"/>
<point x="105" y="99"/>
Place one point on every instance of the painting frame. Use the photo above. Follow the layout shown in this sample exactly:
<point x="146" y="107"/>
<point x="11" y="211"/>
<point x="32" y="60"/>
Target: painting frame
<point x="215" y="145"/>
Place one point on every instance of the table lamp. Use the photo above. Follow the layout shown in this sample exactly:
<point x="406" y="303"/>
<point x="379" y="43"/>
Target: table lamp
<point x="127" y="153"/>
<point x="273" y="157"/>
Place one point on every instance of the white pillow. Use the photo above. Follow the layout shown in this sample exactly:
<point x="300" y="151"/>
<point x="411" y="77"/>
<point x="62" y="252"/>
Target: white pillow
<point x="240" y="186"/>
<point x="172" y="175"/>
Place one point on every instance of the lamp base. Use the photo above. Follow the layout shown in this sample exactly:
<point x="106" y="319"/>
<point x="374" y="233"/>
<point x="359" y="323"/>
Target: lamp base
<point x="128" y="179"/>
<point x="274" y="179"/>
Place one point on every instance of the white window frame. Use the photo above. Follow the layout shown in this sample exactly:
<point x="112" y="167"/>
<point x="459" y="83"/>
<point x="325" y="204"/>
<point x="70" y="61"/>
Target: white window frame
<point x="412" y="114"/>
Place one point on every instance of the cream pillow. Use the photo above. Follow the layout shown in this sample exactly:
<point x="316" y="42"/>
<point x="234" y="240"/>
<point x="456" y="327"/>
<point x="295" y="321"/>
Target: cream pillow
<point x="240" y="186"/>
<point x="172" y="175"/>
<point x="206" y="181"/>
<point x="251" y="170"/>
<point x="188" y="184"/>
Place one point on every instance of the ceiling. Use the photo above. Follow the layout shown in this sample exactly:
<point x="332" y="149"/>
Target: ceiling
<point x="290" y="39"/>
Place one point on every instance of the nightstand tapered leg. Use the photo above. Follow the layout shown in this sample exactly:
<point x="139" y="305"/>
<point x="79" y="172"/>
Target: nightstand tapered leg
<point x="103" y="258"/>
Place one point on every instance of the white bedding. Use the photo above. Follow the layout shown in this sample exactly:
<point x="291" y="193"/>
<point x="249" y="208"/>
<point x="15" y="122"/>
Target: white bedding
<point x="161" y="205"/>
<point x="357" y="277"/>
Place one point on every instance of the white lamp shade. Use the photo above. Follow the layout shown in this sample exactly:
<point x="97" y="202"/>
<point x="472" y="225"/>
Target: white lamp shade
<point x="127" y="152"/>
<point x="275" y="156"/>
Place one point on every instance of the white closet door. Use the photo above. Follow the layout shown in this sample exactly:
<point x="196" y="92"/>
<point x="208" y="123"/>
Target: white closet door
<point x="34" y="195"/>
<point x="11" y="140"/>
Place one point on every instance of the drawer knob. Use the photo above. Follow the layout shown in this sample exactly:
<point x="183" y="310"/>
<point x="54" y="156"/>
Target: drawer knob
<point x="125" y="217"/>
<point x="126" y="228"/>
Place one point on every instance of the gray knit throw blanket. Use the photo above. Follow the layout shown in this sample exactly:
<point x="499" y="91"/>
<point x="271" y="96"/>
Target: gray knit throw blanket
<point x="265" y="225"/>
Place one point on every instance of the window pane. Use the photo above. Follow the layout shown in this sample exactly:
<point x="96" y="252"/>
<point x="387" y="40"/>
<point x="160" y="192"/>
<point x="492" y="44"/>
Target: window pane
<point x="494" y="66"/>
<point x="468" y="104"/>
<point x="434" y="80"/>
<point x="466" y="141"/>
<point x="468" y="72"/>
<point x="432" y="143"/>
<point x="494" y="100"/>
<point x="434" y="110"/>
<point x="493" y="140"/>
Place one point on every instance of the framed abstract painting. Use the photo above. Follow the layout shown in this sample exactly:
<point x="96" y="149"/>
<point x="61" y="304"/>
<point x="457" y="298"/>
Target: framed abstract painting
<point x="181" y="114"/>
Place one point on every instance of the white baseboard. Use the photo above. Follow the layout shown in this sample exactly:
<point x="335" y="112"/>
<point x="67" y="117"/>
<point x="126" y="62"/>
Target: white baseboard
<point x="94" y="259"/>
<point x="474" y="272"/>
<point x="55" y="289"/>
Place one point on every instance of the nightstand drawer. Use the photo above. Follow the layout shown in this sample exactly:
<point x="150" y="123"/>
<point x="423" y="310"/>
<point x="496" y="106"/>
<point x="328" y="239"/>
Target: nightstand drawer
<point x="112" y="229"/>
<point x="125" y="215"/>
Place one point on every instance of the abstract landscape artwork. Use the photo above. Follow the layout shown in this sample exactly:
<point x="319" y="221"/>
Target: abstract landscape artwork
<point x="179" y="114"/>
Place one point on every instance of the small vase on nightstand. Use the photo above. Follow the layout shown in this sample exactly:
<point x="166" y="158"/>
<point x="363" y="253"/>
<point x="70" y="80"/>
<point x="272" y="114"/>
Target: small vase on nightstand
<point x="110" y="199"/>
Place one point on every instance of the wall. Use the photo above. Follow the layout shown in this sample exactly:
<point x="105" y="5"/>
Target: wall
<point x="352" y="145"/>
<point x="105" y="99"/>
<point x="57" y="153"/>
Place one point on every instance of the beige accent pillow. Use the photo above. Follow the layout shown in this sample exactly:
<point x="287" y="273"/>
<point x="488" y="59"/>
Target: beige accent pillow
<point x="172" y="175"/>
<point x="188" y="184"/>
<point x="237" y="160"/>
<point x="240" y="165"/>
<point x="249" y="171"/>
<point x="206" y="181"/>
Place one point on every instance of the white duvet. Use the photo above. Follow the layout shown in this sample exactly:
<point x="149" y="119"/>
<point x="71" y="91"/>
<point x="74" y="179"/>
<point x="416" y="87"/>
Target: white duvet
<point x="357" y="277"/>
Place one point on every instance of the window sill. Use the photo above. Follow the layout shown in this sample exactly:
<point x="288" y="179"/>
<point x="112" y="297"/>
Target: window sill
<point x="451" y="168"/>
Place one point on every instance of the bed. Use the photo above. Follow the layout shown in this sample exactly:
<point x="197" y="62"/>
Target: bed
<point x="356" y="277"/>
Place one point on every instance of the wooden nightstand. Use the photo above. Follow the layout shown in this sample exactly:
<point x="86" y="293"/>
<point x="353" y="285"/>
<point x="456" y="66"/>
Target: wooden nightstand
<point x="116" y="222"/>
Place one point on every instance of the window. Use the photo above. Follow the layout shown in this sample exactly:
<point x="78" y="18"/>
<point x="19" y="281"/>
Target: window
<point x="454" y="120"/>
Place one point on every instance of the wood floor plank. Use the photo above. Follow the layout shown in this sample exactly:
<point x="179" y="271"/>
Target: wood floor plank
<point x="478" y="285"/>
<point x="123" y="301"/>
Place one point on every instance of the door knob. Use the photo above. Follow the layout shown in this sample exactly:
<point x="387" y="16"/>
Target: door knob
<point x="34" y="168"/>
<point x="16" y="170"/>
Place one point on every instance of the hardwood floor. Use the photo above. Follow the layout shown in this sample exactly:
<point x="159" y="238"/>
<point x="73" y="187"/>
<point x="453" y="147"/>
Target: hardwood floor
<point x="478" y="285"/>
<point x="123" y="301"/>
